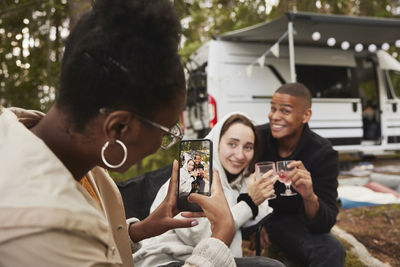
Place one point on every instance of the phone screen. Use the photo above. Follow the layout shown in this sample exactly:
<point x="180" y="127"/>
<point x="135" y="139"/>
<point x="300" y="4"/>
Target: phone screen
<point x="195" y="171"/>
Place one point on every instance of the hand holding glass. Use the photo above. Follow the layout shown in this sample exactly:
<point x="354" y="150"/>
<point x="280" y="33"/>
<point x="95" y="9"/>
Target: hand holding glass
<point x="282" y="169"/>
<point x="264" y="167"/>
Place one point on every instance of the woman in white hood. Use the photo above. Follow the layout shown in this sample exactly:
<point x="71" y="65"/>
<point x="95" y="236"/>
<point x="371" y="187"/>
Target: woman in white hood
<point x="235" y="149"/>
<point x="186" y="176"/>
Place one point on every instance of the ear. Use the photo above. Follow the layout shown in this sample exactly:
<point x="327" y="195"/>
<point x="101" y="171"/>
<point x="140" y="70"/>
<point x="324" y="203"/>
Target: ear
<point x="120" y="124"/>
<point x="307" y="115"/>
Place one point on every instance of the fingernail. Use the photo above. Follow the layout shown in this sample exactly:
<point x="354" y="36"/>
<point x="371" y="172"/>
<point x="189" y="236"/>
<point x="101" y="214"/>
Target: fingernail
<point x="194" y="223"/>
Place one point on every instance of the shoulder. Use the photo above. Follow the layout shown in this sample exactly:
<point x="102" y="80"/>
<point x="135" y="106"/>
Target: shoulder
<point x="263" y="131"/>
<point x="316" y="142"/>
<point x="263" y="127"/>
<point x="318" y="148"/>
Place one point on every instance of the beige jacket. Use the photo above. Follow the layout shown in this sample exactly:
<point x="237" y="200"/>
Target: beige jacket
<point x="40" y="213"/>
<point x="43" y="208"/>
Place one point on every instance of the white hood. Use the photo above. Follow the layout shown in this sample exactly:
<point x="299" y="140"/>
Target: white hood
<point x="178" y="244"/>
<point x="387" y="62"/>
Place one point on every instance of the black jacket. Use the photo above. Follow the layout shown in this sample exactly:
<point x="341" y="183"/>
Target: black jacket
<point x="321" y="160"/>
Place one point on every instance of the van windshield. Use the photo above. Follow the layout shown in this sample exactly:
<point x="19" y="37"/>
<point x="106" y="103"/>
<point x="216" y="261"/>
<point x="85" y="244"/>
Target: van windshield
<point x="328" y="81"/>
<point x="395" y="80"/>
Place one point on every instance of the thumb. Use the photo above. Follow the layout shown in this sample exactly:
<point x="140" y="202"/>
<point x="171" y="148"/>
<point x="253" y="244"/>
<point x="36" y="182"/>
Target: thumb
<point x="216" y="189"/>
<point x="173" y="183"/>
<point x="197" y="198"/>
<point x="184" y="223"/>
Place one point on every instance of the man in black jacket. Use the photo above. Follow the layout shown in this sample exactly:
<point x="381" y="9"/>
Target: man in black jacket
<point x="301" y="224"/>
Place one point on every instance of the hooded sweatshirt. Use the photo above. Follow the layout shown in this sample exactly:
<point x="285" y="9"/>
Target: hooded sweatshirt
<point x="186" y="178"/>
<point x="178" y="244"/>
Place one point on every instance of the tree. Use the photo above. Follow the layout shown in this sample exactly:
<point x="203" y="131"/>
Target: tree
<point x="32" y="35"/>
<point x="76" y="9"/>
<point x="201" y="19"/>
<point x="31" y="45"/>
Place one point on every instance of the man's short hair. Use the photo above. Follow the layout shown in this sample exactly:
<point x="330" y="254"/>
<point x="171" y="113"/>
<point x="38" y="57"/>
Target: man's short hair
<point x="298" y="90"/>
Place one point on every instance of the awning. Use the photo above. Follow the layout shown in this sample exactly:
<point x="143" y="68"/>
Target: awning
<point x="364" y="30"/>
<point x="387" y="62"/>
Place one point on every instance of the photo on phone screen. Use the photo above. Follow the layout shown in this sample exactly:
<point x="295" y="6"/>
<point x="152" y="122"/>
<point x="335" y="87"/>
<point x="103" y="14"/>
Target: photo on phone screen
<point x="195" y="171"/>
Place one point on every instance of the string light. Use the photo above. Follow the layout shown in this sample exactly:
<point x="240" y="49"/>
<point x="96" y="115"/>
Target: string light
<point x="345" y="45"/>
<point x="358" y="47"/>
<point x="331" y="41"/>
<point x="372" y="48"/>
<point x="316" y="36"/>
<point x="385" y="46"/>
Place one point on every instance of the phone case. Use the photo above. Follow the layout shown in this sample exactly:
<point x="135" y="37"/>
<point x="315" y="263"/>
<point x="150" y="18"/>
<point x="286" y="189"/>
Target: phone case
<point x="195" y="171"/>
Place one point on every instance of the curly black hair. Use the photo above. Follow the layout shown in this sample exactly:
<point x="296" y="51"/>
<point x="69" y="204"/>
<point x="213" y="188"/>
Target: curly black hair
<point x="123" y="54"/>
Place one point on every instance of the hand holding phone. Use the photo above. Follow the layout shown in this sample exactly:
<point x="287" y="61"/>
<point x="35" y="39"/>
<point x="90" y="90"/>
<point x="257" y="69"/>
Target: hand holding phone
<point x="217" y="210"/>
<point x="195" y="173"/>
<point x="163" y="217"/>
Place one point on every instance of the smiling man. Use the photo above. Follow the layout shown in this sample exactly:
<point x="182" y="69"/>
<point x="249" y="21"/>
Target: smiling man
<point x="301" y="224"/>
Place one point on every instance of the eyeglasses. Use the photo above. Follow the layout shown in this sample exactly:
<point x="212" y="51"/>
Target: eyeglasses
<point x="171" y="136"/>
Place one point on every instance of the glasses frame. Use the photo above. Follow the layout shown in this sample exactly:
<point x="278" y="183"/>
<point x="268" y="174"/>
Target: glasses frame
<point x="175" y="137"/>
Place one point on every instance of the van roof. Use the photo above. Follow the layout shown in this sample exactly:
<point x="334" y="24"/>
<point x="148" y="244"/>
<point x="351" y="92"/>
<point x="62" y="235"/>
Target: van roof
<point x="354" y="29"/>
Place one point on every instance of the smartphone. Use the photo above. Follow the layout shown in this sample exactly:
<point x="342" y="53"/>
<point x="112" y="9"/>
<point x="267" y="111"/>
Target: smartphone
<point x="195" y="171"/>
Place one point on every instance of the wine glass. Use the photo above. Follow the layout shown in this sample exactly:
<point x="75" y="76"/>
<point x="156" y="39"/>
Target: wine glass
<point x="263" y="167"/>
<point x="282" y="169"/>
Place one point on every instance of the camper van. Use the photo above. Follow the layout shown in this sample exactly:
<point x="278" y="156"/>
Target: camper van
<point x="354" y="82"/>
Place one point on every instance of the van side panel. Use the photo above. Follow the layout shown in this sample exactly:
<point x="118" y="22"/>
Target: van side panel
<point x="238" y="87"/>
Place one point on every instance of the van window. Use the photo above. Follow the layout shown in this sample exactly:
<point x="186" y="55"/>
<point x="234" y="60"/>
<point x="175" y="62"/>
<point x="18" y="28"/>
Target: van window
<point x="328" y="81"/>
<point x="394" y="77"/>
<point x="197" y="86"/>
<point x="367" y="82"/>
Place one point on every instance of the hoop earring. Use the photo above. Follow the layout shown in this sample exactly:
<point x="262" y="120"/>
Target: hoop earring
<point x="104" y="158"/>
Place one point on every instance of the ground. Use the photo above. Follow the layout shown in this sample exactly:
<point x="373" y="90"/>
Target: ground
<point x="377" y="228"/>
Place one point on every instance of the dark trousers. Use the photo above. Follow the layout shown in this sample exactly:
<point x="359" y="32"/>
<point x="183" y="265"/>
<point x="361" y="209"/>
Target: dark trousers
<point x="294" y="238"/>
<point x="242" y="262"/>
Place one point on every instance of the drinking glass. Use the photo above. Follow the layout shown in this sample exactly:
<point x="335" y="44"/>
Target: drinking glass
<point x="282" y="169"/>
<point x="263" y="167"/>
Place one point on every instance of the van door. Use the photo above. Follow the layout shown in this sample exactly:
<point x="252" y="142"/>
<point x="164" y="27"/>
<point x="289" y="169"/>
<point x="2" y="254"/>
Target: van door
<point x="368" y="87"/>
<point x="336" y="106"/>
<point x="195" y="114"/>
<point x="389" y="68"/>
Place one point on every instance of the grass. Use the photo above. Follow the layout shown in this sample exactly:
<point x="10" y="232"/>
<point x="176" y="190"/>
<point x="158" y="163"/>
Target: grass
<point x="370" y="213"/>
<point x="274" y="252"/>
<point x="352" y="260"/>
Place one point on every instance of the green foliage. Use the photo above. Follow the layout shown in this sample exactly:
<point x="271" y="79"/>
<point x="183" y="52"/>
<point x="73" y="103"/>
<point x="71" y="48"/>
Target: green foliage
<point x="152" y="162"/>
<point x="31" y="46"/>
<point x="32" y="34"/>
<point x="351" y="260"/>
<point x="395" y="80"/>
<point x="202" y="19"/>
<point x="275" y="252"/>
<point x="376" y="211"/>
